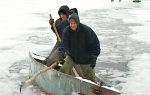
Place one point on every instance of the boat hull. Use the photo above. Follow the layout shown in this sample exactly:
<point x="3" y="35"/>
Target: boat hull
<point x="57" y="83"/>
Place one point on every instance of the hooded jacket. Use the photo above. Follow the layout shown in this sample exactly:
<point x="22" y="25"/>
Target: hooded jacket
<point x="59" y="20"/>
<point x="66" y="9"/>
<point x="80" y="45"/>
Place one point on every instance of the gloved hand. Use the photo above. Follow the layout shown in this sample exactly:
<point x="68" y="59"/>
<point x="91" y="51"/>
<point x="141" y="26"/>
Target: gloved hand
<point x="51" y="21"/>
<point x="93" y="61"/>
<point x="61" y="56"/>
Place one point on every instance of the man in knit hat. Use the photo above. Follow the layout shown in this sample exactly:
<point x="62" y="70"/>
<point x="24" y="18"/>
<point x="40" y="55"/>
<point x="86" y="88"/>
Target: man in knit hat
<point x="63" y="13"/>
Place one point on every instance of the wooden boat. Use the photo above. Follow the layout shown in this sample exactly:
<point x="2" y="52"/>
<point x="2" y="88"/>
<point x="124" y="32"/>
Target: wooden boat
<point x="57" y="83"/>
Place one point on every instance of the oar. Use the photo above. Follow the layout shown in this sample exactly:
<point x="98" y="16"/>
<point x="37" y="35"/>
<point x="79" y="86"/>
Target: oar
<point x="59" y="39"/>
<point x="38" y="73"/>
<point x="55" y="30"/>
<point x="75" y="72"/>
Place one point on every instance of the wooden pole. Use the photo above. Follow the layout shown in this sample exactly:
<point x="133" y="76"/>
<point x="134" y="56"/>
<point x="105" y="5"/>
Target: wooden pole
<point x="59" y="39"/>
<point x="75" y="72"/>
<point x="55" y="30"/>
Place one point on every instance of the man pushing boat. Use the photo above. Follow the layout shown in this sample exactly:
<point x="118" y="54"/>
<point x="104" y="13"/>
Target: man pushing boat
<point x="81" y="46"/>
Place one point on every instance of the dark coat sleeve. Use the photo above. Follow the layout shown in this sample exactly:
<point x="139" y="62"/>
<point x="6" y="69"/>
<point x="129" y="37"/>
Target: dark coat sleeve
<point x="61" y="26"/>
<point x="93" y="43"/>
<point x="63" y="46"/>
<point x="95" y="46"/>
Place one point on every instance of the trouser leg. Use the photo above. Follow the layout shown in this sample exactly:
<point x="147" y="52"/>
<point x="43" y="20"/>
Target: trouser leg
<point x="54" y="48"/>
<point x="68" y="65"/>
<point x="48" y="61"/>
<point x="79" y="70"/>
<point x="88" y="72"/>
<point x="53" y="58"/>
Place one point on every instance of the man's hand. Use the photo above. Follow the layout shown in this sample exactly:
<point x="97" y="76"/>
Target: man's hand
<point x="61" y="57"/>
<point x="93" y="61"/>
<point x="51" y="21"/>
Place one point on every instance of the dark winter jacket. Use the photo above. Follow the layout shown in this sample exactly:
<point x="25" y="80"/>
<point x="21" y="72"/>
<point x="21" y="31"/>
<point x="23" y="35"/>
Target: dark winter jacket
<point x="80" y="45"/>
<point x="61" y="26"/>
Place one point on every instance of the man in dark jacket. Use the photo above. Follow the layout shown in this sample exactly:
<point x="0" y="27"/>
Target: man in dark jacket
<point x="63" y="13"/>
<point x="81" y="45"/>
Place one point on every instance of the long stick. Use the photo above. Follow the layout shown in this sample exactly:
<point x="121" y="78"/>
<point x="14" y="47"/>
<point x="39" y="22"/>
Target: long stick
<point x="38" y="73"/>
<point x="59" y="39"/>
<point x="75" y="72"/>
<point x="55" y="30"/>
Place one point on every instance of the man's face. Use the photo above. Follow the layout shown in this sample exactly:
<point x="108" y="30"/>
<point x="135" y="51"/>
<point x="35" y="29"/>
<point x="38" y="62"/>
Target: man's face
<point x="63" y="16"/>
<point x="73" y="24"/>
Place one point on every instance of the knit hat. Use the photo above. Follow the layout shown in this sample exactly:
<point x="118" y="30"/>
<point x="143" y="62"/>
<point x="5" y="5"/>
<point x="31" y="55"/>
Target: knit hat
<point x="73" y="10"/>
<point x="75" y="17"/>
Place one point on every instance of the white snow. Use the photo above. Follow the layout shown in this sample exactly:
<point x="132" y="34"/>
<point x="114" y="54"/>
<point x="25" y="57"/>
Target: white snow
<point x="24" y="27"/>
